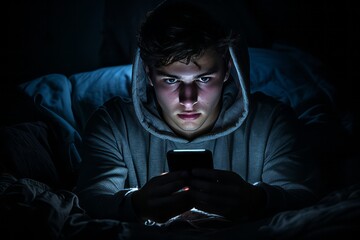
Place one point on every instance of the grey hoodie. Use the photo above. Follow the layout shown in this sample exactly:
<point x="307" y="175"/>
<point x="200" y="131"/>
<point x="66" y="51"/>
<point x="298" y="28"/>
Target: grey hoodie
<point x="125" y="144"/>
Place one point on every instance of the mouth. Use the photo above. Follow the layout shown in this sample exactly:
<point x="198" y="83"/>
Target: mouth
<point x="189" y="116"/>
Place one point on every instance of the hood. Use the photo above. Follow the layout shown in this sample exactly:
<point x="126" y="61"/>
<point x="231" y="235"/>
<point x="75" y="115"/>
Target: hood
<point x="234" y="109"/>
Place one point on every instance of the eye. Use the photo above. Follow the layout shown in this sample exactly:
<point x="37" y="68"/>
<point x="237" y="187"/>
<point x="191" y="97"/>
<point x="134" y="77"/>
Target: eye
<point x="204" y="79"/>
<point x="170" y="80"/>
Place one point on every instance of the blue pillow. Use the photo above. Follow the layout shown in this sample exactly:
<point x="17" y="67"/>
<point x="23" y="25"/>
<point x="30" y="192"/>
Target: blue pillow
<point x="91" y="89"/>
<point x="295" y="78"/>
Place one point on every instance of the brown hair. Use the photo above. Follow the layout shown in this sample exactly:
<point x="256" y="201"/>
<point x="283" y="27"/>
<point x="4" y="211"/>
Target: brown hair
<point x="179" y="30"/>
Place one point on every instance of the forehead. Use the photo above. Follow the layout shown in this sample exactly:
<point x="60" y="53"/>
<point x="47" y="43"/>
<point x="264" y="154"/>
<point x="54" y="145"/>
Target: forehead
<point x="210" y="60"/>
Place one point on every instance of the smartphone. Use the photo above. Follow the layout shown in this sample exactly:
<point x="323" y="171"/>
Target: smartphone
<point x="187" y="159"/>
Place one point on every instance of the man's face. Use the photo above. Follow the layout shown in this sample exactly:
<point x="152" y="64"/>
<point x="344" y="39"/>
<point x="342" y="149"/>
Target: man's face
<point x="189" y="94"/>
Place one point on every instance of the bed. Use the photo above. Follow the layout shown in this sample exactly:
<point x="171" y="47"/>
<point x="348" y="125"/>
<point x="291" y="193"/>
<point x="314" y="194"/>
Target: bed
<point x="40" y="158"/>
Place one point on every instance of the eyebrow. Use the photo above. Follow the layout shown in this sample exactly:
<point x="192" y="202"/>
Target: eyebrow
<point x="165" y="74"/>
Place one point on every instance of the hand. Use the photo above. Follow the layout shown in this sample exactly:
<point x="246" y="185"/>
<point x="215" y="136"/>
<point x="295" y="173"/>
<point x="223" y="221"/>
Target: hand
<point x="160" y="199"/>
<point x="225" y="193"/>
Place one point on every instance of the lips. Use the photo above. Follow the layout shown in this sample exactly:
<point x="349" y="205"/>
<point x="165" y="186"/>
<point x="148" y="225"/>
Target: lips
<point x="189" y="116"/>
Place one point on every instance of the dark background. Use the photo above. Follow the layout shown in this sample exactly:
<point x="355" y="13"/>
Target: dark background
<point x="71" y="36"/>
<point x="41" y="37"/>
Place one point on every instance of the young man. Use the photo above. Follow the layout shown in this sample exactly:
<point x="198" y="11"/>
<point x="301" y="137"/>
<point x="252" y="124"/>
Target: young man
<point x="190" y="89"/>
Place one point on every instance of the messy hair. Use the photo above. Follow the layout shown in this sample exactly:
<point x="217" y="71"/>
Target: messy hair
<point x="180" y="31"/>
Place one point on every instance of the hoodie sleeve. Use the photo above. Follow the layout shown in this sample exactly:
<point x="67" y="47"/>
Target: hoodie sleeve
<point x="102" y="186"/>
<point x="290" y="171"/>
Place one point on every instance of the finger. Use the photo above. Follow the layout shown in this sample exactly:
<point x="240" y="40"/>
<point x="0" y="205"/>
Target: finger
<point x="216" y="175"/>
<point x="208" y="174"/>
<point x="170" y="206"/>
<point x="165" y="178"/>
<point x="217" y="204"/>
<point x="214" y="187"/>
<point x="179" y="200"/>
<point x="166" y="189"/>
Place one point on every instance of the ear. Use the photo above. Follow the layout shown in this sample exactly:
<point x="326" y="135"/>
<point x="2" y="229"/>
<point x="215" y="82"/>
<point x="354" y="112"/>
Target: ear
<point x="228" y="70"/>
<point x="147" y="70"/>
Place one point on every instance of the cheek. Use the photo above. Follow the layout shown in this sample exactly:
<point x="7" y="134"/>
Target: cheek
<point x="211" y="94"/>
<point x="166" y="96"/>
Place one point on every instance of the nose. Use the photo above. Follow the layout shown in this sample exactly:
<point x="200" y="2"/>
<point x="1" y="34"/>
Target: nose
<point x="188" y="95"/>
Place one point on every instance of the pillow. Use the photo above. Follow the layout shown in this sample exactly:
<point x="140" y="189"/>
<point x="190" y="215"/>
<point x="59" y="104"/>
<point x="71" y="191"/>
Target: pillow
<point x="91" y="89"/>
<point x="52" y="97"/>
<point x="295" y="78"/>
<point x="68" y="102"/>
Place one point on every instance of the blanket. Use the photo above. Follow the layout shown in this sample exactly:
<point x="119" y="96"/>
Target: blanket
<point x="34" y="206"/>
<point x="31" y="208"/>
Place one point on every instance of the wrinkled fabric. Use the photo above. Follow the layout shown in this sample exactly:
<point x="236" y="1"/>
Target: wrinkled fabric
<point x="31" y="209"/>
<point x="26" y="151"/>
<point x="335" y="215"/>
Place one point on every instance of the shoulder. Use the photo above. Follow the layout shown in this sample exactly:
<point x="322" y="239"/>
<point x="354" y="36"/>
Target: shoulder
<point x="263" y="99"/>
<point x="117" y="103"/>
<point x="274" y="122"/>
<point x="268" y="112"/>
<point x="114" y="110"/>
<point x="267" y="104"/>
